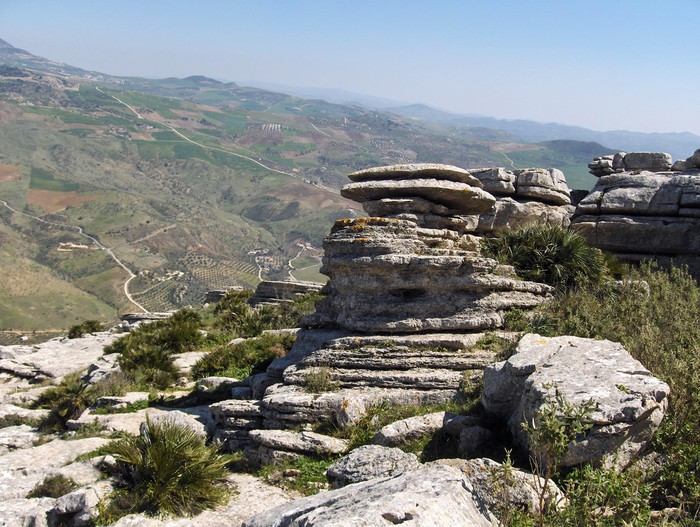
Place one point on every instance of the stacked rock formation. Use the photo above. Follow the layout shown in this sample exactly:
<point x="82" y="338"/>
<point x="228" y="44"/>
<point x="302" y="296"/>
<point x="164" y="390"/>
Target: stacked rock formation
<point x="645" y="210"/>
<point x="531" y="195"/>
<point x="408" y="298"/>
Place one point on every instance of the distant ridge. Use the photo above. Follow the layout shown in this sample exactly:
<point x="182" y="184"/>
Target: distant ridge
<point x="679" y="144"/>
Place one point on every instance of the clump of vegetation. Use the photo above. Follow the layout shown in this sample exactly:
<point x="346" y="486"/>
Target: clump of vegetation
<point x="166" y="469"/>
<point x="246" y="358"/>
<point x="53" y="487"/>
<point x="503" y="347"/>
<point x="306" y="474"/>
<point x="146" y="352"/>
<point x="88" y="326"/>
<point x="235" y="316"/>
<point x="548" y="254"/>
<point x="556" y="425"/>
<point x="321" y="380"/>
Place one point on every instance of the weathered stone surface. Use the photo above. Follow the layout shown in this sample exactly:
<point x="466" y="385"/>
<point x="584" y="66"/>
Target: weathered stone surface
<point x="370" y="462"/>
<point x="131" y="421"/>
<point x="497" y="180"/>
<point x="548" y="185"/>
<point x="8" y="411"/>
<point x="389" y="207"/>
<point x="78" y="508"/>
<point x="654" y="161"/>
<point x="21" y="470"/>
<point x="693" y="162"/>
<point x="485" y="475"/>
<point x="14" y="437"/>
<point x="630" y="401"/>
<point x="661" y="235"/>
<point x="25" y="513"/>
<point x="438" y="496"/>
<point x="185" y="361"/>
<point x="384" y="279"/>
<point x="210" y="385"/>
<point x="416" y="171"/>
<point x="510" y="214"/>
<point x="303" y="442"/>
<point x="349" y="412"/>
<point x="460" y="197"/>
<point x="400" y="432"/>
<point x="644" y="215"/>
<point x="117" y="402"/>
<point x="54" y="358"/>
<point x="102" y="369"/>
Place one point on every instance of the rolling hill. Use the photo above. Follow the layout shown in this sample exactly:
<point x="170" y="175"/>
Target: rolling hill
<point x="192" y="184"/>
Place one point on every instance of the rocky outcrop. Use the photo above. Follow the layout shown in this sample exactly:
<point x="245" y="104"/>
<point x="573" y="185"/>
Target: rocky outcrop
<point x="270" y="292"/>
<point x="408" y="298"/>
<point x="433" y="495"/>
<point x="644" y="214"/>
<point x="629" y="401"/>
<point x="634" y="161"/>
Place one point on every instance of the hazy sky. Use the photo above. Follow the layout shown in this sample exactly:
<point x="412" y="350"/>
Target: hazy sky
<point x="602" y="64"/>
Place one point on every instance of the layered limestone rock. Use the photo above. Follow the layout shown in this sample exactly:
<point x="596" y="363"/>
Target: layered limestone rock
<point x="524" y="197"/>
<point x="643" y="214"/>
<point x="409" y="296"/>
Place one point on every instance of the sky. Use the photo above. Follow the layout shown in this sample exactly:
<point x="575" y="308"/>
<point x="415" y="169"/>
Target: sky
<point x="601" y="64"/>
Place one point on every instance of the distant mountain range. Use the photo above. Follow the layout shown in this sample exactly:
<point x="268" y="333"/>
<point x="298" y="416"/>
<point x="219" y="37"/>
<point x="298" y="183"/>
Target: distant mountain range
<point x="679" y="144"/>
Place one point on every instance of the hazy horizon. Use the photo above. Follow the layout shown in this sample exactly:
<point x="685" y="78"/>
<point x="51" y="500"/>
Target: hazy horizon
<point x="605" y="66"/>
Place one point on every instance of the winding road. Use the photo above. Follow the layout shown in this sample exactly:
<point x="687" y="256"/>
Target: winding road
<point x="95" y="241"/>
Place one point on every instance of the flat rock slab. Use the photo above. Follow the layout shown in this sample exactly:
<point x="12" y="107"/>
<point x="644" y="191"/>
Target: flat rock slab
<point x="370" y="462"/>
<point x="630" y="401"/>
<point x="21" y="470"/>
<point x="435" y="496"/>
<point x="417" y="171"/>
<point x="54" y="358"/>
<point x="19" y="512"/>
<point x="459" y="197"/>
<point x="198" y="418"/>
<point x="302" y="442"/>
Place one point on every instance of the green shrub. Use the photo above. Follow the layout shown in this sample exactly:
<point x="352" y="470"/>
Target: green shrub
<point x="53" y="487"/>
<point x="241" y="360"/>
<point x="166" y="469"/>
<point x="321" y="380"/>
<point x="88" y="326"/>
<point x="65" y="401"/>
<point x="548" y="254"/>
<point x="308" y="474"/>
<point x="146" y="352"/>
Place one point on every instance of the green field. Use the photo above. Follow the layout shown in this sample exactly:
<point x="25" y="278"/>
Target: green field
<point x="41" y="179"/>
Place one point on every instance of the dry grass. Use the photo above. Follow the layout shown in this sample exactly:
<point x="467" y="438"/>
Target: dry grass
<point x="9" y="172"/>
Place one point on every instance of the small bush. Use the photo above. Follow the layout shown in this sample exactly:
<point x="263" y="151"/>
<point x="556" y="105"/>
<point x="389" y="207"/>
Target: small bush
<point x="548" y="254"/>
<point x="146" y="352"/>
<point x="321" y="380"/>
<point x="53" y="487"/>
<point x="166" y="469"/>
<point x="89" y="326"/>
<point x="241" y="360"/>
<point x="65" y="401"/>
<point x="306" y="474"/>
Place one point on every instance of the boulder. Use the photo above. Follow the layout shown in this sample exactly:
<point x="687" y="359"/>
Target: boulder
<point x="509" y="214"/>
<point x="438" y="496"/>
<point x="654" y="161"/>
<point x="370" y="462"/>
<point x="630" y="401"/>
